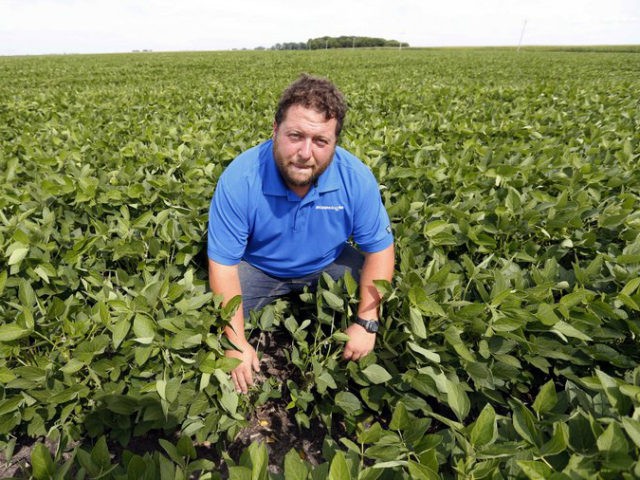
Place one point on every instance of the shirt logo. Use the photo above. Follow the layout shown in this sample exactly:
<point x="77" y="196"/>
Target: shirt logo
<point x="335" y="208"/>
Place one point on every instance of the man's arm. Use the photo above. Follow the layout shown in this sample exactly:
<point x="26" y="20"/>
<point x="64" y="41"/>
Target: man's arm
<point x="224" y="280"/>
<point x="377" y="266"/>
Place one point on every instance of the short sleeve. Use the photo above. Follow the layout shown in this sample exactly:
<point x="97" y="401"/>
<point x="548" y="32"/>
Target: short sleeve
<point x="228" y="221"/>
<point x="372" y="228"/>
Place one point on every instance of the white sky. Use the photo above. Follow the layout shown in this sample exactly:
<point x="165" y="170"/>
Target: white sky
<point x="97" y="26"/>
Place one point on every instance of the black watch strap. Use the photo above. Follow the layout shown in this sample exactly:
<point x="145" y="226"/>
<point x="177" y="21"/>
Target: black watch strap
<point x="370" y="326"/>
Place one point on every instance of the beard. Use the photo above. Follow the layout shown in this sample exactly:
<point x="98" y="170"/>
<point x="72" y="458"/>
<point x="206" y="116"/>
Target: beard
<point x="298" y="174"/>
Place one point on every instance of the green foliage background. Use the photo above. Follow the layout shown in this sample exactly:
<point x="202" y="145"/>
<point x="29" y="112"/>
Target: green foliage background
<point x="509" y="346"/>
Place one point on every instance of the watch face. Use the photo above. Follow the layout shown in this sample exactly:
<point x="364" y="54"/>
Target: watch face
<point x="370" y="326"/>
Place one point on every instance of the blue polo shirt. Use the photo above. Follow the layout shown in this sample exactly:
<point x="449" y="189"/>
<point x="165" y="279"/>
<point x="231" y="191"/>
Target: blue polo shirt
<point x="255" y="217"/>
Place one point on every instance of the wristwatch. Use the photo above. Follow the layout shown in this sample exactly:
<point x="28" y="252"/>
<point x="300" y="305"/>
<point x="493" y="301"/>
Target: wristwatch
<point x="370" y="326"/>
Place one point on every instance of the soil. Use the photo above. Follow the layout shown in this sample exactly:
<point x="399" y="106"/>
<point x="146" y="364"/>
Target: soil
<point x="272" y="423"/>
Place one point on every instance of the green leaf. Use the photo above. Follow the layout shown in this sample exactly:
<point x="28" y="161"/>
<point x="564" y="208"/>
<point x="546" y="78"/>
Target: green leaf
<point x="546" y="399"/>
<point x="348" y="403"/>
<point x="41" y="462"/>
<point x="230" y="307"/>
<point x="12" y="331"/>
<point x="400" y="419"/>
<point x="68" y="394"/>
<point x="229" y="401"/>
<point x="574" y="298"/>
<point x="18" y="255"/>
<point x="631" y="286"/>
<point x="26" y="294"/>
<point x="226" y="364"/>
<point x="567" y="330"/>
<point x="121" y="404"/>
<point x="100" y="455"/>
<point x="427" y="354"/>
<point x="384" y="288"/>
<point x="418" y="471"/>
<point x="144" y="329"/>
<point x="11" y="404"/>
<point x="172" y="389"/>
<point x="259" y="461"/>
<point x="3" y="280"/>
<point x="376" y="374"/>
<point x="612" y="440"/>
<point x="161" y="388"/>
<point x="420" y="300"/>
<point x="611" y="389"/>
<point x="341" y="337"/>
<point x="172" y="451"/>
<point x="167" y="467"/>
<point x="547" y="315"/>
<point x="484" y="429"/>
<point x="457" y="399"/>
<point x="558" y="442"/>
<point x="417" y="323"/>
<point x="535" y="470"/>
<point x="350" y="284"/>
<point x="629" y="302"/>
<point x="525" y="423"/>
<point x="324" y="381"/>
<point x="197" y="302"/>
<point x="294" y="467"/>
<point x="351" y="445"/>
<point x="119" y="332"/>
<point x="452" y="336"/>
<point x="371" y="434"/>
<point x="339" y="469"/>
<point x="334" y="301"/>
<point x="632" y="427"/>
<point x="84" y="458"/>
<point x="142" y="354"/>
<point x="240" y="473"/>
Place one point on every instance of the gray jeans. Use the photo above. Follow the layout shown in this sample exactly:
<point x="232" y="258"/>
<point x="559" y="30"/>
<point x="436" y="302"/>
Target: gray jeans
<point x="260" y="288"/>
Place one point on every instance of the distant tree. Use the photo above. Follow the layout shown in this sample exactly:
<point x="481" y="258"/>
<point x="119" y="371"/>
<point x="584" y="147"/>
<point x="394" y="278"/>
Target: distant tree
<point x="339" y="42"/>
<point x="290" y="46"/>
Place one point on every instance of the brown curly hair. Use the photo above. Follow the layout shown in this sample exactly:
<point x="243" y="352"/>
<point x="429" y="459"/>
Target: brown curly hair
<point x="317" y="93"/>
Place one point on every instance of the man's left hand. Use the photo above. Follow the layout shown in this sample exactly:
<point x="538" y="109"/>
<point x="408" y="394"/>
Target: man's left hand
<point x="360" y="342"/>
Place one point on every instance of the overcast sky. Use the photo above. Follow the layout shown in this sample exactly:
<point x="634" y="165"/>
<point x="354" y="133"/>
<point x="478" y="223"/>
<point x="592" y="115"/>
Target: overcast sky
<point x="96" y="26"/>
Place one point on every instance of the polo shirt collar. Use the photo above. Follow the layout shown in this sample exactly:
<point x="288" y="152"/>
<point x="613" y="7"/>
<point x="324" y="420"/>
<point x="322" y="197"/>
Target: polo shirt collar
<point x="273" y="184"/>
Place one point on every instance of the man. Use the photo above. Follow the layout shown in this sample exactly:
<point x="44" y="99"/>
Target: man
<point x="282" y="213"/>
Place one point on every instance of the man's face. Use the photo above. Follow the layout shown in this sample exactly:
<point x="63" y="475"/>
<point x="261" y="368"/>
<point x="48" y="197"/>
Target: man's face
<point x="303" y="146"/>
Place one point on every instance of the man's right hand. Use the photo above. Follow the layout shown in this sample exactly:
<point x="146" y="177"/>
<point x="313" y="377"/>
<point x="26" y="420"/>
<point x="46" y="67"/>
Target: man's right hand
<point x="242" y="375"/>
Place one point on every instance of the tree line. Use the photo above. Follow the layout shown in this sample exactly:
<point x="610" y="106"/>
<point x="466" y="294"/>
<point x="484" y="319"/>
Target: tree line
<point x="338" y="42"/>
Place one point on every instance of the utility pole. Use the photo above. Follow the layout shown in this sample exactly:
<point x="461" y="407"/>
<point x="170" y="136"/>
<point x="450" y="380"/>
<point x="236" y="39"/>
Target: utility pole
<point x="524" y="25"/>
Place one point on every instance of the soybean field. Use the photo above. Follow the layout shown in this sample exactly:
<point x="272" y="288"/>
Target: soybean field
<point x="509" y="344"/>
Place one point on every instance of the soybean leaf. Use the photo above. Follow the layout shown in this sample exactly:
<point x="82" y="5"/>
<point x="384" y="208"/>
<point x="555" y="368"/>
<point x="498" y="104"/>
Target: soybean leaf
<point x="458" y="399"/>
<point x="12" y="331"/>
<point x="41" y="462"/>
<point x="376" y="374"/>
<point x="546" y="399"/>
<point x="484" y="428"/>
<point x="348" y="402"/>
<point x="558" y="442"/>
<point x="339" y="469"/>
<point x="294" y="467"/>
<point x="334" y="301"/>
<point x="525" y="423"/>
